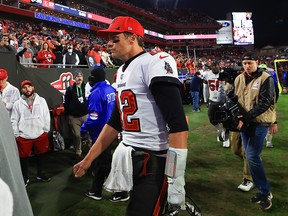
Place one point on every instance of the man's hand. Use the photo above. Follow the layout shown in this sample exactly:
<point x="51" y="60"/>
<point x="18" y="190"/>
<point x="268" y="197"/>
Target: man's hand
<point x="80" y="168"/>
<point x="240" y="123"/>
<point x="273" y="128"/>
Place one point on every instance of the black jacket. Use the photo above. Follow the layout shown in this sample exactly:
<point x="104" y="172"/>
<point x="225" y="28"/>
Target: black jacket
<point x="72" y="104"/>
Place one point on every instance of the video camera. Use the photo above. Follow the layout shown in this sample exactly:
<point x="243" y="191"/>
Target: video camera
<point x="228" y="112"/>
<point x="229" y="74"/>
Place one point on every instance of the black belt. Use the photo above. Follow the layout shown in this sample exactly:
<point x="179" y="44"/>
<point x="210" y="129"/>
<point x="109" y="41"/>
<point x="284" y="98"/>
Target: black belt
<point x="147" y="150"/>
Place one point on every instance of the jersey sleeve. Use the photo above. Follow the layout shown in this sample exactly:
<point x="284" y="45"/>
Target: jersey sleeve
<point x="162" y="68"/>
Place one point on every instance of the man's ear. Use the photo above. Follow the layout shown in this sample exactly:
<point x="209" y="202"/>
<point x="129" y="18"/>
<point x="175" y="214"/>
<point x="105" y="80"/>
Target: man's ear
<point x="133" y="38"/>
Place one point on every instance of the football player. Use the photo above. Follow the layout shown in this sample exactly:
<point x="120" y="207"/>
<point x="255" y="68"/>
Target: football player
<point x="150" y="115"/>
<point x="216" y="96"/>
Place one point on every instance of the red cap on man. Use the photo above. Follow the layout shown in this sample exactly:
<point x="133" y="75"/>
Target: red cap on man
<point x="26" y="82"/>
<point x="3" y="74"/>
<point x="122" y="24"/>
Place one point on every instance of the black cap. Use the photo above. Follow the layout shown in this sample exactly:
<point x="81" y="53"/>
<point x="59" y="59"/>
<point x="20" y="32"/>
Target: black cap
<point x="250" y="56"/>
<point x="98" y="74"/>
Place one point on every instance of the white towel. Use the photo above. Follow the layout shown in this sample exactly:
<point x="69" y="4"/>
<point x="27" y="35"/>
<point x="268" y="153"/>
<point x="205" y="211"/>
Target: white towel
<point x="121" y="175"/>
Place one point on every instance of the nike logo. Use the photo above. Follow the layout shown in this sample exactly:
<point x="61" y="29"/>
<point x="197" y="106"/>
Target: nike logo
<point x="162" y="57"/>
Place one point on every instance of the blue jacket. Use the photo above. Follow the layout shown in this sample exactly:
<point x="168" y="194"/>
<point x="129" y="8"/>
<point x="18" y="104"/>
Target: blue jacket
<point x="195" y="85"/>
<point x="101" y="102"/>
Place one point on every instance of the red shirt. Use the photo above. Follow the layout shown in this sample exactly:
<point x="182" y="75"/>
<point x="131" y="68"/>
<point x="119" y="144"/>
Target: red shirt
<point x="46" y="58"/>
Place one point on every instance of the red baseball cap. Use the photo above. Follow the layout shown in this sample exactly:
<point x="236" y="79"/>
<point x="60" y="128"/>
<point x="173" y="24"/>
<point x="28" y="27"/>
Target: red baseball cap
<point x="26" y="82"/>
<point x="3" y="74"/>
<point x="122" y="24"/>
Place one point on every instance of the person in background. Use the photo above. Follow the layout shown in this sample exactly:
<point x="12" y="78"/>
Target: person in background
<point x="216" y="91"/>
<point x="10" y="170"/>
<point x="105" y="56"/>
<point x="195" y="88"/>
<point x="8" y="93"/>
<point x="190" y="65"/>
<point x="78" y="51"/>
<point x="101" y="102"/>
<point x="94" y="51"/>
<point x="205" y="90"/>
<point x="257" y="102"/>
<point x="25" y="54"/>
<point x="88" y="87"/>
<point x="31" y="123"/>
<point x="5" y="46"/>
<point x="76" y="107"/>
<point x="45" y="56"/>
<point x="70" y="57"/>
<point x="146" y="85"/>
<point x="269" y="135"/>
<point x="58" y="52"/>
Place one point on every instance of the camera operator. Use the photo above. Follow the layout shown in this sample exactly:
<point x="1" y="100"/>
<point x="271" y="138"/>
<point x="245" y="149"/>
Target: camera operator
<point x="256" y="98"/>
<point x="228" y="75"/>
<point x="216" y="98"/>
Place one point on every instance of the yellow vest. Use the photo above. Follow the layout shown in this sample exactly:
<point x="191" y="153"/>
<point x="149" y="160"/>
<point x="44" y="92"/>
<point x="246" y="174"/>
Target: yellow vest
<point x="248" y="97"/>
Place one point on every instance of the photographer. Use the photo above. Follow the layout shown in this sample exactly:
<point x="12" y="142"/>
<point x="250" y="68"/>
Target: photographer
<point x="256" y="95"/>
<point x="228" y="75"/>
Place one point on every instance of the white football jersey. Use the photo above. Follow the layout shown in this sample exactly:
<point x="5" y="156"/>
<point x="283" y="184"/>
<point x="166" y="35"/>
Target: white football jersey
<point x="142" y="122"/>
<point x="214" y="85"/>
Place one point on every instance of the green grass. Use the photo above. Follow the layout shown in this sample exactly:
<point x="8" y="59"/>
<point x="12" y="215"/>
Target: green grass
<point x="212" y="176"/>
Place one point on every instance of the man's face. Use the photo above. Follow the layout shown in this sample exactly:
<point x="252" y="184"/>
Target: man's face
<point x="79" y="79"/>
<point x="215" y="69"/>
<point x="120" y="45"/>
<point x="27" y="90"/>
<point x="5" y="39"/>
<point x="250" y="66"/>
<point x="3" y="83"/>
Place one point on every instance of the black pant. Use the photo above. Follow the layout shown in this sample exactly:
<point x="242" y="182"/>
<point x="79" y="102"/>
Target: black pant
<point x="148" y="179"/>
<point x="101" y="167"/>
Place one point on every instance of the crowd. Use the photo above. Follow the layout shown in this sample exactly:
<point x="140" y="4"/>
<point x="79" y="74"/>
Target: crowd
<point x="25" y="38"/>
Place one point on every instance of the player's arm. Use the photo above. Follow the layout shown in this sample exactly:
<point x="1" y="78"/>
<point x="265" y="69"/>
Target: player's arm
<point x="106" y="137"/>
<point x="168" y="99"/>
